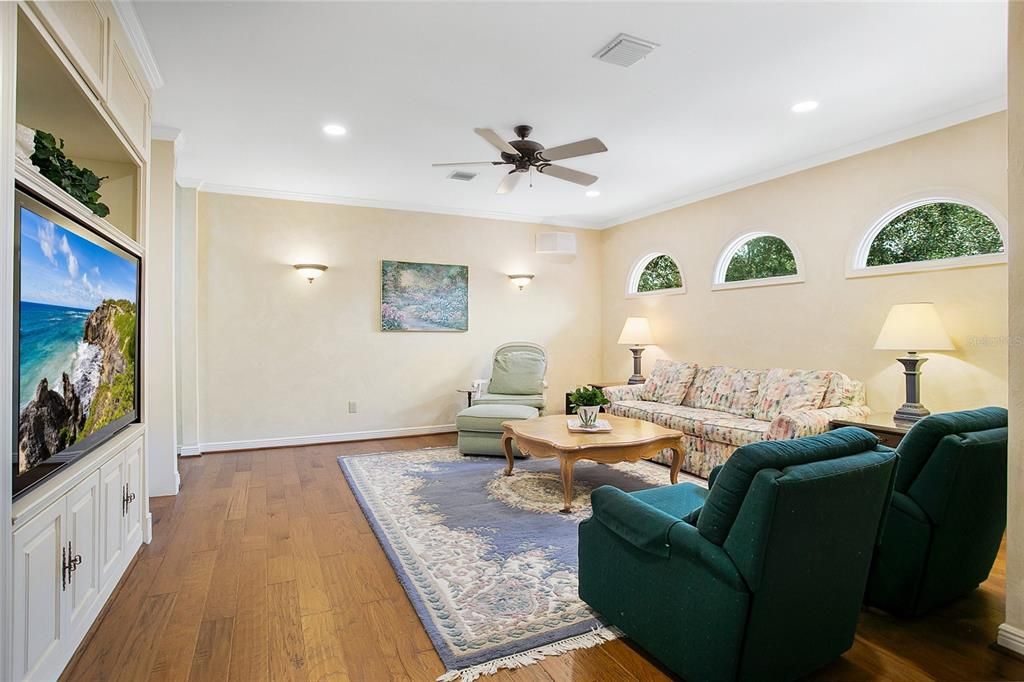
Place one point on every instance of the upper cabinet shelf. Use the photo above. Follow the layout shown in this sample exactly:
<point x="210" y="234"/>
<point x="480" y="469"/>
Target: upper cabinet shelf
<point x="78" y="79"/>
<point x="83" y="31"/>
<point x="89" y="37"/>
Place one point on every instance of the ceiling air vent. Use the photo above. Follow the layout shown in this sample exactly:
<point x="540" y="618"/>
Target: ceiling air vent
<point x="461" y="175"/>
<point x="625" y="50"/>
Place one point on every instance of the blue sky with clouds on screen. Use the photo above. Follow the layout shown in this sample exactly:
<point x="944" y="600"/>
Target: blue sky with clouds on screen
<point x="59" y="267"/>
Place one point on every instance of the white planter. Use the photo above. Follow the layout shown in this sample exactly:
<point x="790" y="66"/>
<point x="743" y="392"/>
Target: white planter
<point x="588" y="415"/>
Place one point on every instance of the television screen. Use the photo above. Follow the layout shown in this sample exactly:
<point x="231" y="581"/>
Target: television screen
<point x="77" y="351"/>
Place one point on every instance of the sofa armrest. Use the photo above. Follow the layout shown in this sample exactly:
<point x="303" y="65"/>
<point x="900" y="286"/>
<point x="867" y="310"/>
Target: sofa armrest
<point x="811" y="422"/>
<point x="638" y="523"/>
<point x="688" y="545"/>
<point x="626" y="392"/>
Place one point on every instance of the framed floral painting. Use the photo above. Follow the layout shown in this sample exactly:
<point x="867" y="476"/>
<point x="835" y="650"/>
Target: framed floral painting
<point x="423" y="297"/>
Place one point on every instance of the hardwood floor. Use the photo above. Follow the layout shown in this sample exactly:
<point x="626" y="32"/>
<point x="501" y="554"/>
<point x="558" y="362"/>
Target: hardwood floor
<point x="264" y="568"/>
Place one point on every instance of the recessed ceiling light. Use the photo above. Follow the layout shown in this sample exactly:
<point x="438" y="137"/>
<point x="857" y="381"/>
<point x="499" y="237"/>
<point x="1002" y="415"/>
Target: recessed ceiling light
<point x="804" y="107"/>
<point x="593" y="193"/>
<point x="334" y="129"/>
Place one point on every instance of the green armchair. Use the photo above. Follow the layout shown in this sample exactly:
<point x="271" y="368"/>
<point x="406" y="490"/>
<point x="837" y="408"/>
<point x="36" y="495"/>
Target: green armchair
<point x="762" y="576"/>
<point x="517" y="376"/>
<point x="948" y="513"/>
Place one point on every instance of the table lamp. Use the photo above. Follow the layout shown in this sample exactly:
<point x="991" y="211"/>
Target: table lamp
<point x="637" y="334"/>
<point x="914" y="326"/>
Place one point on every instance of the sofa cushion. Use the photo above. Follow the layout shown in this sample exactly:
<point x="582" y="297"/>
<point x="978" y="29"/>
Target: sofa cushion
<point x="735" y="430"/>
<point x="517" y="373"/>
<point x="693" y="393"/>
<point x="732" y="390"/>
<point x="488" y="418"/>
<point x="536" y="401"/>
<point x="668" y="382"/>
<point x="689" y="420"/>
<point x="843" y="391"/>
<point x="790" y="390"/>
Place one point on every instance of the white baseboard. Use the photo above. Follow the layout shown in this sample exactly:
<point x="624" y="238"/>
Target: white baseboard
<point x="147" y="531"/>
<point x="1011" y="638"/>
<point x="318" y="439"/>
<point x="189" y="451"/>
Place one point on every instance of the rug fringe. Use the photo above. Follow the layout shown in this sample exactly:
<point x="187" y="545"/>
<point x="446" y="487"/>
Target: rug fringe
<point x="595" y="637"/>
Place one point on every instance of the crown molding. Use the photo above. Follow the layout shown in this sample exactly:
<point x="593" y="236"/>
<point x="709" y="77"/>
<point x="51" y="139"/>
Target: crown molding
<point x="238" y="190"/>
<point x="137" y="36"/>
<point x="190" y="183"/>
<point x="169" y="134"/>
<point x="930" y="125"/>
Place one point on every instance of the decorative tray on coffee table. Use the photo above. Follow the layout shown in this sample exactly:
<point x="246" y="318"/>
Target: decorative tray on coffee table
<point x="575" y="426"/>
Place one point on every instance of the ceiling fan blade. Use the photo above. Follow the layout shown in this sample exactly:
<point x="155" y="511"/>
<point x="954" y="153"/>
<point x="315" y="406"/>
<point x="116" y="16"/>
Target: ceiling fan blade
<point x="508" y="183"/>
<point x="470" y="163"/>
<point x="591" y="145"/>
<point x="563" y="173"/>
<point x="494" y="139"/>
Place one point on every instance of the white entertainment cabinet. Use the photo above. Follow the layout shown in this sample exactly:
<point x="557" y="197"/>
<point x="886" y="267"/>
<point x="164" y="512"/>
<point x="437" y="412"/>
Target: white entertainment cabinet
<point x="71" y="68"/>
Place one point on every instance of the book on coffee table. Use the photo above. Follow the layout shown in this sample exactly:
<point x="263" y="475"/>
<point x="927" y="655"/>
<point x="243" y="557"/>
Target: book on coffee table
<point x="602" y="426"/>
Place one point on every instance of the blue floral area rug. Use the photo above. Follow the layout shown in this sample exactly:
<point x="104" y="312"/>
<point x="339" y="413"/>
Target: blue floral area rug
<point x="488" y="561"/>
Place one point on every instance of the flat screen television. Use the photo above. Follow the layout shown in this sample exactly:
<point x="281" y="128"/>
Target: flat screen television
<point x="76" y="351"/>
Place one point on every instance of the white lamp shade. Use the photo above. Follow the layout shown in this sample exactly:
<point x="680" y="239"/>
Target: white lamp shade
<point x="636" y="332"/>
<point x="913" y="327"/>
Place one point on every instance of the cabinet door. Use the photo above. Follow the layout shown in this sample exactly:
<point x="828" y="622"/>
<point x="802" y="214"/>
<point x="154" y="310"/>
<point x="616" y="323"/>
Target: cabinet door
<point x="127" y="100"/>
<point x="133" y="463"/>
<point x="83" y="534"/>
<point x="39" y="616"/>
<point x="112" y="515"/>
<point x="81" y="28"/>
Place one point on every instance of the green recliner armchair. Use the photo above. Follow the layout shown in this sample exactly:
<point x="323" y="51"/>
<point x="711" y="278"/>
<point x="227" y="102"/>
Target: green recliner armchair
<point x="762" y="576"/>
<point x="517" y="376"/>
<point x="948" y="513"/>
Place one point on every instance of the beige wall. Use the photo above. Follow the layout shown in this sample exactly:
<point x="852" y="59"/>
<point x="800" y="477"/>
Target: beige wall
<point x="159" y="400"/>
<point x="828" y="321"/>
<point x="1012" y="633"/>
<point x="280" y="357"/>
<point x="186" y="339"/>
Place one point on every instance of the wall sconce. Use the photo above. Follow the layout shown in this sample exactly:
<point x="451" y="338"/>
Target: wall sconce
<point x="310" y="270"/>
<point x="520" y="280"/>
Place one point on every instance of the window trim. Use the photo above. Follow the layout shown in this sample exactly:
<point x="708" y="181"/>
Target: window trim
<point x="718" y="282"/>
<point x="633" y="281"/>
<point x="856" y="265"/>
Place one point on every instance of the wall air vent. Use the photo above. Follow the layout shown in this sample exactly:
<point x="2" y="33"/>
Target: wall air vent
<point x="461" y="175"/>
<point x="556" y="243"/>
<point x="625" y="50"/>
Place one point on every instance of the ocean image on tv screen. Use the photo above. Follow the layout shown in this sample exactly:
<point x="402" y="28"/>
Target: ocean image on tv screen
<point x="77" y="339"/>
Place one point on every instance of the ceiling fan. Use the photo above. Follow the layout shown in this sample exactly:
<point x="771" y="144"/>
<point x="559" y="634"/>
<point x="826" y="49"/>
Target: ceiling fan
<point x="524" y="155"/>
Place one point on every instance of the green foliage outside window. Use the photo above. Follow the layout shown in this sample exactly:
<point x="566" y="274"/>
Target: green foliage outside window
<point x="660" y="273"/>
<point x="760" y="258"/>
<point x="933" y="231"/>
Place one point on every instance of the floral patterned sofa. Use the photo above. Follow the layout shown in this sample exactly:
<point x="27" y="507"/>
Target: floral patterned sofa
<point x="721" y="408"/>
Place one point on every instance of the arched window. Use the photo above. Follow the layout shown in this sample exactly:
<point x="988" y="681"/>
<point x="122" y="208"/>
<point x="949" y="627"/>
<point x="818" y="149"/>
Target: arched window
<point x="755" y="259"/>
<point x="931" y="234"/>
<point x="655" y="273"/>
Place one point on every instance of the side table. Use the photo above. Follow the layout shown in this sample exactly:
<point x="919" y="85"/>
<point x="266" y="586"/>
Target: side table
<point x="889" y="431"/>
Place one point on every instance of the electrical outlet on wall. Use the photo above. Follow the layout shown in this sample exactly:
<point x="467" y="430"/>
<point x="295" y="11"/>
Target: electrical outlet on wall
<point x="352" y="407"/>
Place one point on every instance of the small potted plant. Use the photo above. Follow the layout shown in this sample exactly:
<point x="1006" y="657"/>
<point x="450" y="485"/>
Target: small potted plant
<point x="587" y="401"/>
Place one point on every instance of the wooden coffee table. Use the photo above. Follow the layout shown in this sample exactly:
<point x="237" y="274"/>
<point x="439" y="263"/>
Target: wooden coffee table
<point x="628" y="441"/>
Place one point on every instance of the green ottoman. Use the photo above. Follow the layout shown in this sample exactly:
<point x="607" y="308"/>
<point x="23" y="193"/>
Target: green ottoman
<point x="480" y="429"/>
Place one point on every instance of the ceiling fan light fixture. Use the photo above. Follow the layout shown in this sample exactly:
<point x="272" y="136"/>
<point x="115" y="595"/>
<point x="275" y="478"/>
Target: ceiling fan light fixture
<point x="804" y="107"/>
<point x="591" y="193"/>
<point x="334" y="130"/>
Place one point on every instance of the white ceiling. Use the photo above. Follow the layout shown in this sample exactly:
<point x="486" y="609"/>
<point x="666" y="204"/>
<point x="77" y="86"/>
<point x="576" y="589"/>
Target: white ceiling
<point x="251" y="85"/>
